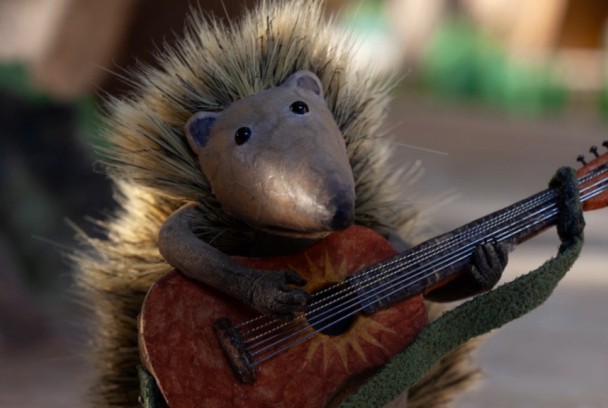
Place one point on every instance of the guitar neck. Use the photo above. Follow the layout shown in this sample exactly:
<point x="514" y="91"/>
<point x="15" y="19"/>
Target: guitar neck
<point x="442" y="258"/>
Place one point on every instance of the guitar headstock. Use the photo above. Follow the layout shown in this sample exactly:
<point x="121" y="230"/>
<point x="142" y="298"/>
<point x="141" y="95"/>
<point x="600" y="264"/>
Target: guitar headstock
<point x="599" y="182"/>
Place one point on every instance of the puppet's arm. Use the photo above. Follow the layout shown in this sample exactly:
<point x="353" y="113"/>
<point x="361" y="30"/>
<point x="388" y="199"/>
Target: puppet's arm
<point x="268" y="291"/>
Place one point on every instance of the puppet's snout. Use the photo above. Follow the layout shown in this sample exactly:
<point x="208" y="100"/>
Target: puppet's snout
<point x="325" y="177"/>
<point x="319" y="200"/>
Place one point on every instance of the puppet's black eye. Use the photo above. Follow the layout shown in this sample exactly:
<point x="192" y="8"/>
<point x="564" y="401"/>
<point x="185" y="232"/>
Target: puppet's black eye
<point x="299" y="108"/>
<point x="242" y="135"/>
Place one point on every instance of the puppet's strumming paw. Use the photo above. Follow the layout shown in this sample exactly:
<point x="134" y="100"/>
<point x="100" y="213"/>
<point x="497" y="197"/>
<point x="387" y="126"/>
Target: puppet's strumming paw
<point x="486" y="266"/>
<point x="570" y="221"/>
<point x="488" y="262"/>
<point x="271" y="292"/>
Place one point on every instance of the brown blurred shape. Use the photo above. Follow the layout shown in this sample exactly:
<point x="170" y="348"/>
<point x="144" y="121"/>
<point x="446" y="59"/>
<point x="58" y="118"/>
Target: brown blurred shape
<point x="93" y="37"/>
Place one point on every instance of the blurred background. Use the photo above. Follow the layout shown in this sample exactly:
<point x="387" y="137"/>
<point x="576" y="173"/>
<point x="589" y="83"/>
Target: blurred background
<point x="493" y="97"/>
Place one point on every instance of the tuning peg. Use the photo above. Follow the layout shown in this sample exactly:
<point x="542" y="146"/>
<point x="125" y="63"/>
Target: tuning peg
<point x="594" y="151"/>
<point x="581" y="159"/>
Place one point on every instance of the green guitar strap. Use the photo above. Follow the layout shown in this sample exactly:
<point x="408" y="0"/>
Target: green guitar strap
<point x="483" y="313"/>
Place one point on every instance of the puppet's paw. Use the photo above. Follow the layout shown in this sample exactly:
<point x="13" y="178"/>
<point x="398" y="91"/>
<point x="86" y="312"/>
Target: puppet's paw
<point x="487" y="264"/>
<point x="570" y="221"/>
<point x="272" y="293"/>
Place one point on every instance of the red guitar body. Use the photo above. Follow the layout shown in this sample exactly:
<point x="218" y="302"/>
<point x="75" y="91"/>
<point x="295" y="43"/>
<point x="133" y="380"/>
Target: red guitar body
<point x="179" y="347"/>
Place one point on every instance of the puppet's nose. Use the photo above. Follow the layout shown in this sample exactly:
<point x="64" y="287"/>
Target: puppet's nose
<point x="344" y="215"/>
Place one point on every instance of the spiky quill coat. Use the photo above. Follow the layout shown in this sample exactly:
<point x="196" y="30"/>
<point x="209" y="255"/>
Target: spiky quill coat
<point x="154" y="172"/>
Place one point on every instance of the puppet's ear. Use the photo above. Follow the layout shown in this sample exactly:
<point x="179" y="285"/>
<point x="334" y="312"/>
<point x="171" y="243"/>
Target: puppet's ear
<point x="305" y="80"/>
<point x="198" y="129"/>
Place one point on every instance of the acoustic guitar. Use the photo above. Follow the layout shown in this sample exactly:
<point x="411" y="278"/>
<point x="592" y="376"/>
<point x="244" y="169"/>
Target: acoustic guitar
<point x="207" y="350"/>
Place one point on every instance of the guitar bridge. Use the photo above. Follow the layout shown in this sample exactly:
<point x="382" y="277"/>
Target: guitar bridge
<point x="235" y="351"/>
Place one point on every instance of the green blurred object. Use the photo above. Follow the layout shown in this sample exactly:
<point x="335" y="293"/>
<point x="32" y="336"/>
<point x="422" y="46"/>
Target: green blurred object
<point x="15" y="79"/>
<point x="464" y="63"/>
<point x="46" y="176"/>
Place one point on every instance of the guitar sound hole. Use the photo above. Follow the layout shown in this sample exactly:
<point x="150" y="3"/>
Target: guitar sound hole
<point x="329" y="316"/>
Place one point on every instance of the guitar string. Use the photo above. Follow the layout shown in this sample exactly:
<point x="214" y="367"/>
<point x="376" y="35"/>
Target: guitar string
<point x="324" y="305"/>
<point x="331" y="313"/>
<point x="369" y="273"/>
<point x="451" y="241"/>
<point x="309" y="331"/>
<point x="549" y="216"/>
<point x="363" y="283"/>
<point x="360" y="282"/>
<point x="397" y="258"/>
<point x="365" y="279"/>
<point x="452" y="259"/>
<point x="352" y="313"/>
<point x="456" y="259"/>
<point x="514" y="211"/>
<point x="278" y="330"/>
<point x="308" y="328"/>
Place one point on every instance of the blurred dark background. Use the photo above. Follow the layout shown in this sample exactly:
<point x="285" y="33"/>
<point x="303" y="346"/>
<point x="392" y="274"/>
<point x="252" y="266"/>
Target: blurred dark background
<point x="495" y="96"/>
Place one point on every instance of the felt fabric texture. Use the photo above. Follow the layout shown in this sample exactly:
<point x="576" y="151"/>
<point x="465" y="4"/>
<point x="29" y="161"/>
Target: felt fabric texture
<point x="150" y="396"/>
<point x="484" y="313"/>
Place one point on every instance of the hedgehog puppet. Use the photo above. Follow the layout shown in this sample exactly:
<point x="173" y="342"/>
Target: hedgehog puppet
<point x="261" y="138"/>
